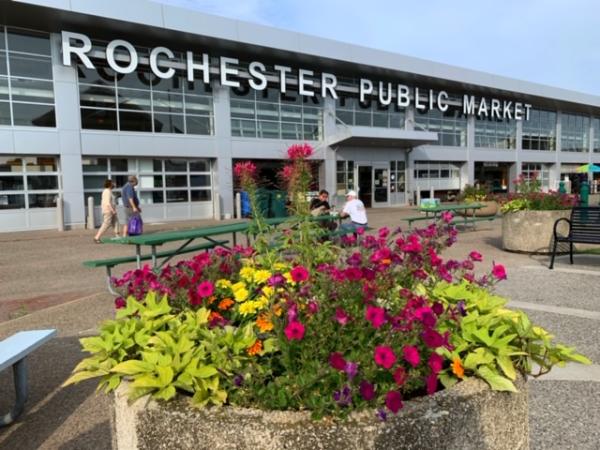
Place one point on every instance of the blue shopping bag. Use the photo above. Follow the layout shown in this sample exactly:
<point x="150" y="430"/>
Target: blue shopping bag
<point x="135" y="226"/>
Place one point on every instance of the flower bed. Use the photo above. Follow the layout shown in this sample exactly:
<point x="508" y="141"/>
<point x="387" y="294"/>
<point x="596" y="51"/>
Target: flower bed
<point x="328" y="330"/>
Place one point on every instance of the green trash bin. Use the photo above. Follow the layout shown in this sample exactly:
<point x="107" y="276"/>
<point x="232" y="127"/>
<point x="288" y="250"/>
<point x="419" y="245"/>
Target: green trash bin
<point x="263" y="200"/>
<point x="278" y="204"/>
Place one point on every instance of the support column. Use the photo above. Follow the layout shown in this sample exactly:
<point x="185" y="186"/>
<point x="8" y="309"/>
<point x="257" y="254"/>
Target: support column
<point x="223" y="170"/>
<point x="327" y="175"/>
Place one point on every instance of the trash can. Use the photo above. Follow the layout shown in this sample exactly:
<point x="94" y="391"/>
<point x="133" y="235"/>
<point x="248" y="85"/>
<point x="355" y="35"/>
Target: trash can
<point x="263" y="200"/>
<point x="584" y="194"/>
<point x="278" y="204"/>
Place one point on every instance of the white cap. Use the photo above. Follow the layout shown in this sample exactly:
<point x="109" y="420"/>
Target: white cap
<point x="351" y="194"/>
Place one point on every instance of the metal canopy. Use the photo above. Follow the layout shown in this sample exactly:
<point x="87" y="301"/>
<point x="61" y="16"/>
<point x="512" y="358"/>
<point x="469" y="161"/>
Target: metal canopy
<point x="381" y="137"/>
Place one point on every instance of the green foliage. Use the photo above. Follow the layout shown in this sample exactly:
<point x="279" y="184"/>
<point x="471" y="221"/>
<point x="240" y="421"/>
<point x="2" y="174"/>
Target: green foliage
<point x="496" y="343"/>
<point x="162" y="352"/>
<point x="473" y="193"/>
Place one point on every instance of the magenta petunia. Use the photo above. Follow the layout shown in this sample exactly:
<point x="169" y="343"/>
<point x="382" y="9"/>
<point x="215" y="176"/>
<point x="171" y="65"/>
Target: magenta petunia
<point x="120" y="303"/>
<point x="499" y="272"/>
<point x="384" y="356"/>
<point x="299" y="273"/>
<point x="393" y="401"/>
<point x="383" y="232"/>
<point x="367" y="390"/>
<point x="375" y="315"/>
<point x="435" y="363"/>
<point x="447" y="216"/>
<point x="400" y="376"/>
<point x="432" y="338"/>
<point x="294" y="331"/>
<point x="431" y="381"/>
<point x="313" y="307"/>
<point x="337" y="361"/>
<point x="205" y="289"/>
<point x="476" y="256"/>
<point x="341" y="316"/>
<point x="411" y="355"/>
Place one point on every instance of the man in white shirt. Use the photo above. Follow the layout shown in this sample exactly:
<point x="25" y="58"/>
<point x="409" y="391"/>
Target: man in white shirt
<point x="355" y="209"/>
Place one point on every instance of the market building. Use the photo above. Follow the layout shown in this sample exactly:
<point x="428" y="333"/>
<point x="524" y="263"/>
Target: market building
<point x="96" y="90"/>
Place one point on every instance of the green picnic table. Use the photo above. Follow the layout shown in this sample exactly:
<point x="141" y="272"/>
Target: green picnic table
<point x="434" y="212"/>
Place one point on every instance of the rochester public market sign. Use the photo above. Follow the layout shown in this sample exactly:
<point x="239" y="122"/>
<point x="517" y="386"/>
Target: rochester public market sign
<point x="80" y="45"/>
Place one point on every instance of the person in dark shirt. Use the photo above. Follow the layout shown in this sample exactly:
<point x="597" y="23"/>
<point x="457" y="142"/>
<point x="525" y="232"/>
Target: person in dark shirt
<point x="320" y="205"/>
<point x="131" y="202"/>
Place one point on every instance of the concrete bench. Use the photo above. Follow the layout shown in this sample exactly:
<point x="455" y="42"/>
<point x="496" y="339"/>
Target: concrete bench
<point x="13" y="352"/>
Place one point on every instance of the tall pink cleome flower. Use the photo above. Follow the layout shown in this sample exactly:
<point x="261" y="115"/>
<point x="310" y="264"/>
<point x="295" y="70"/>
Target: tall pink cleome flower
<point x="300" y="151"/>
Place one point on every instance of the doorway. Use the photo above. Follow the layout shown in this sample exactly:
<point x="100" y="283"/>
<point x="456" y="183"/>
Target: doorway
<point x="380" y="186"/>
<point x="365" y="184"/>
<point x="493" y="176"/>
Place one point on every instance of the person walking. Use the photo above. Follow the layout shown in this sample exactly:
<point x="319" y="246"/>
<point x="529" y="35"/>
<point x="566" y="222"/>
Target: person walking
<point x="131" y="202"/>
<point x="355" y="210"/>
<point x="109" y="212"/>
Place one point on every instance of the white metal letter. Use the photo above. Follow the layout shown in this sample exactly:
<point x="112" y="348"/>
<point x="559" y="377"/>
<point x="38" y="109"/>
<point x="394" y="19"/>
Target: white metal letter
<point x="366" y="88"/>
<point x="403" y="95"/>
<point x="204" y="67"/>
<point x="110" y="56"/>
<point x="224" y="71"/>
<point x="468" y="104"/>
<point x="483" y="107"/>
<point x="282" y="71"/>
<point x="328" y="84"/>
<point x="303" y="82"/>
<point x="154" y="62"/>
<point x="257" y="71"/>
<point x="496" y="108"/>
<point x="506" y="110"/>
<point x="518" y="111"/>
<point x="68" y="49"/>
<point x="388" y="99"/>
<point x="418" y="103"/>
<point x="527" y="108"/>
<point x="442" y="97"/>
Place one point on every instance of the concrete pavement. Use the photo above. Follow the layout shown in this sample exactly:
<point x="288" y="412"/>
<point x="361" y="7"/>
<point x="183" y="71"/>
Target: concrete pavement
<point x="43" y="270"/>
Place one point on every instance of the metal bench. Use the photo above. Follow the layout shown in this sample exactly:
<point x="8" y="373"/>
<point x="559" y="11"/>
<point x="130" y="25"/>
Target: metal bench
<point x="13" y="351"/>
<point x="584" y="228"/>
<point x="167" y="254"/>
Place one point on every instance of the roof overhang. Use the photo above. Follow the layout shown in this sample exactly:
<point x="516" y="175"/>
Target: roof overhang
<point x="381" y="137"/>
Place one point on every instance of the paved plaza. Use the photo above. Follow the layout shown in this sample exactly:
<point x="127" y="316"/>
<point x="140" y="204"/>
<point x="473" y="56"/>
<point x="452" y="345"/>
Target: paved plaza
<point x="43" y="284"/>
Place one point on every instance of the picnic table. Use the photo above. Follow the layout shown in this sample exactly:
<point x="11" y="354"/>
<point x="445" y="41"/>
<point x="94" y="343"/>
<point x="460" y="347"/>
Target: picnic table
<point x="435" y="212"/>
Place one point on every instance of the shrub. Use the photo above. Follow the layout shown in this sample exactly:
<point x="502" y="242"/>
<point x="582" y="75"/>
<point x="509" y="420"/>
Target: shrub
<point x="529" y="197"/>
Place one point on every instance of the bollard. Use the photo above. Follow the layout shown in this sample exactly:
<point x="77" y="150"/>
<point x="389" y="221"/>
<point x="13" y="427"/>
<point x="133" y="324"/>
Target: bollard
<point x="431" y="193"/>
<point x="60" y="217"/>
<point x="418" y="197"/>
<point x="238" y="205"/>
<point x="90" y="216"/>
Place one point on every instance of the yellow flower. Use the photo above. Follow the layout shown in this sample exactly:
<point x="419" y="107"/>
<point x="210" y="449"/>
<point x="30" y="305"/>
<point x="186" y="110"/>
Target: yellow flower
<point x="241" y="294"/>
<point x="247" y="308"/>
<point x="279" y="266"/>
<point x="268" y="291"/>
<point x="260" y="276"/>
<point x="247" y="273"/>
<point x="262" y="301"/>
<point x="223" y="284"/>
<point x="288" y="278"/>
<point x="237" y="286"/>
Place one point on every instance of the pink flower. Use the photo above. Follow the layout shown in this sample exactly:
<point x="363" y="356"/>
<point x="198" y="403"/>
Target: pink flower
<point x="294" y="331"/>
<point x="435" y="362"/>
<point x="447" y="216"/>
<point x="476" y="256"/>
<point x="383" y="232"/>
<point x="300" y="151"/>
<point x="205" y="289"/>
<point x="434" y="258"/>
<point x="244" y="169"/>
<point x="287" y="172"/>
<point x="411" y="355"/>
<point x="375" y="315"/>
<point x="400" y="376"/>
<point x="120" y="303"/>
<point x="299" y="273"/>
<point x="360" y="231"/>
<point x="384" y="356"/>
<point x="337" y="361"/>
<point x="498" y="271"/>
<point x="341" y="316"/>
<point x="431" y="381"/>
<point x="432" y="338"/>
<point x="393" y="401"/>
<point x="313" y="307"/>
<point x="367" y="390"/>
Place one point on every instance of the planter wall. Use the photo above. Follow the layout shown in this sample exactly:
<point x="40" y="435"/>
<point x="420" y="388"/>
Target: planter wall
<point x="490" y="209"/>
<point x="531" y="231"/>
<point x="469" y="416"/>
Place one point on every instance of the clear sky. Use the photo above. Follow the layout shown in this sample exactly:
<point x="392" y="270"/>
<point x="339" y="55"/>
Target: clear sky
<point x="554" y="42"/>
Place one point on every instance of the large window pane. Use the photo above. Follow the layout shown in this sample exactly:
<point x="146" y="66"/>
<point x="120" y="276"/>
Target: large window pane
<point x="176" y="181"/>
<point x="198" y="125"/>
<point x="200" y="196"/>
<point x="94" y="164"/>
<point x="138" y="80"/>
<point x="12" y="201"/>
<point x="175" y="165"/>
<point x="98" y="119"/>
<point x="168" y="123"/>
<point x="29" y="42"/>
<point x="40" y="164"/>
<point x="131" y="121"/>
<point x="167" y="102"/>
<point x="11" y="183"/>
<point x="99" y="75"/>
<point x="11" y="164"/>
<point x="200" y="180"/>
<point x="4" y="113"/>
<point x="41" y="182"/>
<point x="151" y="197"/>
<point x="177" y="196"/>
<point x="30" y="66"/>
<point x="174" y="84"/>
<point x="33" y="115"/>
<point x="202" y="165"/>
<point x="32" y="90"/>
<point x="198" y="105"/>
<point x="134" y="100"/>
<point x="42" y="200"/>
<point x="97" y="96"/>
<point x="120" y="165"/>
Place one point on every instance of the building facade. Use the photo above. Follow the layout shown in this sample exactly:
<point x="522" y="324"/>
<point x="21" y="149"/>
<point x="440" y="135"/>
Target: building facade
<point x="97" y="90"/>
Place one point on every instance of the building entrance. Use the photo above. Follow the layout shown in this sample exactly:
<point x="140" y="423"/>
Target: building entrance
<point x="365" y="185"/>
<point x="374" y="185"/>
<point x="493" y="176"/>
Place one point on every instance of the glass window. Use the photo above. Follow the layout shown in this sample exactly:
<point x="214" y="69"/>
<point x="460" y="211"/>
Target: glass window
<point x="176" y="181"/>
<point x="177" y="196"/>
<point x="97" y="96"/>
<point x="175" y="165"/>
<point x="140" y="79"/>
<point x="450" y="125"/>
<point x="11" y="164"/>
<point x="33" y="115"/>
<point x="12" y="201"/>
<point x="134" y="100"/>
<point x="134" y="121"/>
<point x="198" y="125"/>
<point x="32" y="90"/>
<point x="100" y="75"/>
<point x="202" y="165"/>
<point x="539" y="132"/>
<point x="4" y="113"/>
<point x="28" y="42"/>
<point x="574" y="133"/>
<point x="596" y="126"/>
<point x="11" y="183"/>
<point x="494" y="133"/>
<point x="200" y="196"/>
<point x="42" y="182"/>
<point x="4" y="89"/>
<point x="40" y="164"/>
<point x="167" y="102"/>
<point x="42" y="200"/>
<point x="30" y="66"/>
<point x="169" y="123"/>
<point x="174" y="84"/>
<point x="98" y="119"/>
<point x="95" y="164"/>
<point x="151" y="197"/>
<point x="120" y="165"/>
<point x="200" y="180"/>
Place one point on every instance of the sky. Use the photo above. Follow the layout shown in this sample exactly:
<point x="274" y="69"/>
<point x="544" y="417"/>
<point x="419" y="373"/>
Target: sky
<point x="553" y="42"/>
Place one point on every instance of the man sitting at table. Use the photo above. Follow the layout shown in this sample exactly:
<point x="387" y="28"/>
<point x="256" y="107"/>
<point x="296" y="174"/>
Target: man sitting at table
<point x="320" y="205"/>
<point x="355" y="209"/>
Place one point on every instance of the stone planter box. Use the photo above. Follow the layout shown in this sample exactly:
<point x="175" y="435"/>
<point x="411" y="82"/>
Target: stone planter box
<point x="531" y="231"/>
<point x="490" y="209"/>
<point x="470" y="416"/>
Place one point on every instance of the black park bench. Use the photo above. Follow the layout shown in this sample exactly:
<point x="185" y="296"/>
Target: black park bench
<point x="584" y="228"/>
<point x="13" y="351"/>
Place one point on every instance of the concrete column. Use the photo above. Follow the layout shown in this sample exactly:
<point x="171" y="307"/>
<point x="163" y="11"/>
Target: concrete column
<point x="68" y="124"/>
<point x="327" y="174"/>
<point x="467" y="173"/>
<point x="223" y="170"/>
<point x="513" y="173"/>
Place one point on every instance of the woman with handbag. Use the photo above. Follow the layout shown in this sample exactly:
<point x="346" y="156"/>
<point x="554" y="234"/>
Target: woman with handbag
<point x="109" y="212"/>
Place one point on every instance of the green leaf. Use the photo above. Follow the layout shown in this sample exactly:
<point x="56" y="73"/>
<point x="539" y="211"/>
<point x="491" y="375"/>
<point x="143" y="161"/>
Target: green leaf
<point x="205" y="372"/>
<point x="133" y="367"/>
<point x="84" y="375"/>
<point x="165" y="375"/>
<point x="507" y="367"/>
<point x="165" y="394"/>
<point x="496" y="381"/>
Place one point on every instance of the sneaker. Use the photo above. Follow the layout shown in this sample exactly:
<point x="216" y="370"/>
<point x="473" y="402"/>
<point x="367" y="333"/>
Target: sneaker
<point x="97" y="241"/>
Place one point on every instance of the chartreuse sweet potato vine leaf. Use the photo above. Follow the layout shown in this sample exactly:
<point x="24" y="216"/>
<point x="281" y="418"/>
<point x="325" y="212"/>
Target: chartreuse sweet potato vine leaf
<point x="162" y="353"/>
<point x="493" y="342"/>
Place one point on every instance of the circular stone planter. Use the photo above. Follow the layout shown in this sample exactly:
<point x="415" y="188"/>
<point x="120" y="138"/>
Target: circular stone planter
<point x="490" y="209"/>
<point x="470" y="416"/>
<point x="531" y="231"/>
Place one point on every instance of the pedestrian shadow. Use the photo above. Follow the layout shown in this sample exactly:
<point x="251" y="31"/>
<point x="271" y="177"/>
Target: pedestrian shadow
<point x="49" y="406"/>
